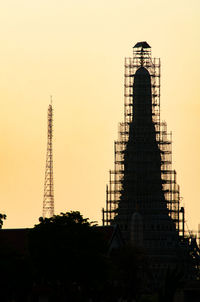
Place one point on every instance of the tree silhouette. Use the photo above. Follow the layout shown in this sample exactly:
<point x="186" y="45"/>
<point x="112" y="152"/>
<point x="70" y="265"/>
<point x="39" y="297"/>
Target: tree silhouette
<point x="67" y="247"/>
<point x="2" y="218"/>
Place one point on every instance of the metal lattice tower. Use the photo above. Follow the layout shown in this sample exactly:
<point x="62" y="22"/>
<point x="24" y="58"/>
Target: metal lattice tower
<point x="48" y="201"/>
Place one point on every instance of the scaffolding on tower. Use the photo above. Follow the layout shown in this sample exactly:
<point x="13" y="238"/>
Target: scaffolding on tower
<point x="142" y="57"/>
<point x="48" y="201"/>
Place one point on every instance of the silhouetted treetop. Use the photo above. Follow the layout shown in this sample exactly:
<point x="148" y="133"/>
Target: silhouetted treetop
<point x="65" y="219"/>
<point x="2" y="218"/>
<point x="67" y="246"/>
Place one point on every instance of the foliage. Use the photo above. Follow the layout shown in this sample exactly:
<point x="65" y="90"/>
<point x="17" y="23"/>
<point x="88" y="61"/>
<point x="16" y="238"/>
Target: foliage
<point x="2" y="218"/>
<point x="67" y="247"/>
<point x="68" y="218"/>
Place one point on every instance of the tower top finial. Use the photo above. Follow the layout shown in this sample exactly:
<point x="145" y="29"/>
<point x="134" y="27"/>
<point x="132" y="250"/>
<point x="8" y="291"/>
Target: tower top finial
<point x="142" y="53"/>
<point x="142" y="44"/>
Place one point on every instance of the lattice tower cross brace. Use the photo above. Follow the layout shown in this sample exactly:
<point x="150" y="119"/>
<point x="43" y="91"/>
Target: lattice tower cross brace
<point x="48" y="201"/>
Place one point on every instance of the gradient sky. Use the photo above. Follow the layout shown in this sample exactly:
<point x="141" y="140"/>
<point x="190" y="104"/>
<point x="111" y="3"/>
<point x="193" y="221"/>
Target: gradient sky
<point x="74" y="50"/>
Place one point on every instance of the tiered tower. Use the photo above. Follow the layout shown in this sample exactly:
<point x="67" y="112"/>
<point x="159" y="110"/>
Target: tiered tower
<point x="143" y="180"/>
<point x="48" y="201"/>
<point x="143" y="196"/>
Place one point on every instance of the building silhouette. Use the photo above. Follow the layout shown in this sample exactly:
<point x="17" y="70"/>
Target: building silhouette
<point x="143" y="196"/>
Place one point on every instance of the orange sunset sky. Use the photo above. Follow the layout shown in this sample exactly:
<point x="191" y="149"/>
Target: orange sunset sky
<point x="74" y="50"/>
